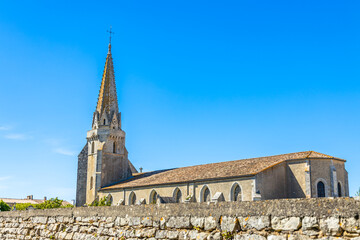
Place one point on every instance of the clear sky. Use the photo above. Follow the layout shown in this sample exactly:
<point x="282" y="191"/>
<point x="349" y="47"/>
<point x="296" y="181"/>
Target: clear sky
<point x="198" y="82"/>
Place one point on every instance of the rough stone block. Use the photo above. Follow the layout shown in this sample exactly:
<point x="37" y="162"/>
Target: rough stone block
<point x="276" y="237"/>
<point x="178" y="222"/>
<point x="298" y="237"/>
<point x="197" y="222"/>
<point x="149" y="232"/>
<point x="172" y="234"/>
<point x="161" y="234"/>
<point x="124" y="221"/>
<point x="285" y="223"/>
<point x="214" y="236"/>
<point x="309" y="223"/>
<point x="330" y="226"/>
<point x="210" y="223"/>
<point x="350" y="225"/>
<point x="162" y="223"/>
<point x="218" y="197"/>
<point x="41" y="220"/>
<point x="249" y="237"/>
<point x="147" y="221"/>
<point x="254" y="222"/>
<point x="229" y="224"/>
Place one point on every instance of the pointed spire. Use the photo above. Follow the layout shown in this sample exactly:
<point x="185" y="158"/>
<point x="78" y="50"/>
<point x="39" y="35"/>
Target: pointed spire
<point x="107" y="101"/>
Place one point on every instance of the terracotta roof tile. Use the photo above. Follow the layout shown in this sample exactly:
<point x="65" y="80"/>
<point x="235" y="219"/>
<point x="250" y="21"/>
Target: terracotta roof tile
<point x="214" y="170"/>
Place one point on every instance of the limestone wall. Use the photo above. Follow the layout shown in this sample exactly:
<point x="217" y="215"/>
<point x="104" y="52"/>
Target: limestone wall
<point x="257" y="220"/>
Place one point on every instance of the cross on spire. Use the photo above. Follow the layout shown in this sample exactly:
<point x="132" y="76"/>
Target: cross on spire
<point x="110" y="32"/>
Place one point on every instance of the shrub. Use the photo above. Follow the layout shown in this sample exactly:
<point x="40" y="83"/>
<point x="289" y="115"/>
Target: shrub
<point x="102" y="202"/>
<point x="4" y="206"/>
<point x="51" y="203"/>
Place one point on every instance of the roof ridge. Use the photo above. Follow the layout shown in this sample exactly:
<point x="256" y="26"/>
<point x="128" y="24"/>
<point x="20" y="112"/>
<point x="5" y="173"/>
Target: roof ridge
<point x="258" y="158"/>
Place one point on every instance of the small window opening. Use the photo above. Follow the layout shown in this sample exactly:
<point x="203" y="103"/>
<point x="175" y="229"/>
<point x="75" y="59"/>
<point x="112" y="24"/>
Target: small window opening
<point x="206" y="195"/>
<point x="178" y="196"/>
<point x="321" y="189"/>
<point x="132" y="199"/>
<point x="237" y="193"/>
<point x="91" y="182"/>
<point x="339" y="189"/>
<point x="114" y="147"/>
<point x="104" y="121"/>
<point x="153" y="197"/>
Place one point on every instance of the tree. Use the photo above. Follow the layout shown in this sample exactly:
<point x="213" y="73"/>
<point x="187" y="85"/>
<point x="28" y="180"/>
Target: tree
<point x="4" y="206"/>
<point x="357" y="194"/>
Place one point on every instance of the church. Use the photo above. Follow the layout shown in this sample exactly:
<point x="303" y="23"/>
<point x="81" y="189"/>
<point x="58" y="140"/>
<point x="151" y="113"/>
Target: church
<point x="104" y="169"/>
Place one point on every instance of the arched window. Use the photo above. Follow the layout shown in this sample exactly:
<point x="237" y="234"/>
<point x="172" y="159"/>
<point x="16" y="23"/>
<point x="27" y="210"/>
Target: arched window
<point x="91" y="182"/>
<point x="153" y="197"/>
<point x="236" y="193"/>
<point x="205" y="194"/>
<point x="339" y="189"/>
<point x="104" y="121"/>
<point x="320" y="189"/>
<point x="114" y="147"/>
<point x="92" y="147"/>
<point x="177" y="195"/>
<point x="132" y="198"/>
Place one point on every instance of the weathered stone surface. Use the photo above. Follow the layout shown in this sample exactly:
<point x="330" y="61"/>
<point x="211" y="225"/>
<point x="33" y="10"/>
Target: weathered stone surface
<point x="229" y="224"/>
<point x="161" y="234"/>
<point x="249" y="237"/>
<point x="197" y="222"/>
<point x="276" y="237"/>
<point x="309" y="223"/>
<point x="350" y="224"/>
<point x="42" y="220"/>
<point x="178" y="222"/>
<point x="214" y="236"/>
<point x="285" y="224"/>
<point x="172" y="234"/>
<point x="298" y="237"/>
<point x="330" y="226"/>
<point x="109" y="223"/>
<point x="210" y="223"/>
<point x="147" y="221"/>
<point x="254" y="222"/>
<point x="162" y="222"/>
<point x="134" y="221"/>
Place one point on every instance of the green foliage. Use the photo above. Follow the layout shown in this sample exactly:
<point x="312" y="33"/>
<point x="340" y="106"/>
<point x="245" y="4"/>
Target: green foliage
<point x="357" y="194"/>
<point x="4" y="206"/>
<point x="227" y="235"/>
<point x="51" y="203"/>
<point x="102" y="202"/>
<point x="23" y="206"/>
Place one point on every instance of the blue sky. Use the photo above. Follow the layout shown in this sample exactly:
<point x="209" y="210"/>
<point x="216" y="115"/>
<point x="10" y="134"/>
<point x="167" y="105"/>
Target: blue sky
<point x="197" y="81"/>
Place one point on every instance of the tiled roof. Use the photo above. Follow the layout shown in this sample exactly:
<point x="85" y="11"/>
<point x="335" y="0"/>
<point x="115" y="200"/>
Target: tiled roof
<point x="32" y="201"/>
<point x="16" y="200"/>
<point x="214" y="170"/>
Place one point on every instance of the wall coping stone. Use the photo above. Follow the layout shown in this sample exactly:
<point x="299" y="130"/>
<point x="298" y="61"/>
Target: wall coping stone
<point x="312" y="207"/>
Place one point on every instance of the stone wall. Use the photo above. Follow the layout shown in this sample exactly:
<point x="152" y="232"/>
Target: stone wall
<point x="296" y="219"/>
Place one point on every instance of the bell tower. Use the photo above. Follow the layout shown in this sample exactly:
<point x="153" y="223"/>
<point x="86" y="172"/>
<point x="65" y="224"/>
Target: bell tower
<point x="104" y="156"/>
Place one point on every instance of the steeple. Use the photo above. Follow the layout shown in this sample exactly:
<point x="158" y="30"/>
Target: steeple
<point x="107" y="101"/>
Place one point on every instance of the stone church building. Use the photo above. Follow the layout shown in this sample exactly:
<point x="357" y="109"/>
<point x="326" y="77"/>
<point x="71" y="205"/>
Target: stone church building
<point x="104" y="169"/>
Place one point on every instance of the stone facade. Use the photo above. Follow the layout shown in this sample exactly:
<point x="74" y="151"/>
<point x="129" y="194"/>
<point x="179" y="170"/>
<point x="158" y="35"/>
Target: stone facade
<point x="82" y="177"/>
<point x="290" y="179"/>
<point x="272" y="220"/>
